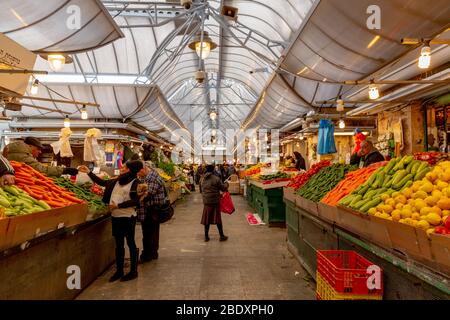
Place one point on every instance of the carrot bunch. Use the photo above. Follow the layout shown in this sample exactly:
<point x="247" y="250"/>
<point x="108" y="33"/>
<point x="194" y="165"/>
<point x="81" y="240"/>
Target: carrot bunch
<point x="41" y="187"/>
<point x="352" y="180"/>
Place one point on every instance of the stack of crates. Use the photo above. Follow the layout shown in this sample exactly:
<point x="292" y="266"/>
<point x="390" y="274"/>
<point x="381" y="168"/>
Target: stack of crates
<point x="343" y="275"/>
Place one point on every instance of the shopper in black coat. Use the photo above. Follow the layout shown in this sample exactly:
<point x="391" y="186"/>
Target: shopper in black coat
<point x="122" y="197"/>
<point x="212" y="185"/>
<point x="299" y="161"/>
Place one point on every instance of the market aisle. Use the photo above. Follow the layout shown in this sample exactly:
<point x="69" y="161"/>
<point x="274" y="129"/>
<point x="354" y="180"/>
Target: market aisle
<point x="253" y="264"/>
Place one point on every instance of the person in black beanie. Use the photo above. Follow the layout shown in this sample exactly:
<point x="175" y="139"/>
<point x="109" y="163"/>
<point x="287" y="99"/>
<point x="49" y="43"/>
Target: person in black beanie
<point x="122" y="197"/>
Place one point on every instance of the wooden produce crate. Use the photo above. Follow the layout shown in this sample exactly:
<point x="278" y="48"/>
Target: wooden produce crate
<point x="289" y="194"/>
<point x="4" y="223"/>
<point x="29" y="226"/>
<point x="174" y="195"/>
<point x="234" y="185"/>
<point x="327" y="212"/>
<point x="307" y="205"/>
<point x="379" y="232"/>
<point x="440" y="248"/>
<point x="353" y="221"/>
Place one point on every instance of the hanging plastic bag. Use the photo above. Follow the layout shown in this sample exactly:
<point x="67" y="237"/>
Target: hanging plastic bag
<point x="91" y="147"/>
<point x="226" y="203"/>
<point x="62" y="146"/>
<point x="326" y="144"/>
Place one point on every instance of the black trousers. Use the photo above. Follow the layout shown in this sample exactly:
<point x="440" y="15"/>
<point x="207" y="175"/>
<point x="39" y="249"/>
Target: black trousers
<point x="150" y="233"/>
<point x="124" y="228"/>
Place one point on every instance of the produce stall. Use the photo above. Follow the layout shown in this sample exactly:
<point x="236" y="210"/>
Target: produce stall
<point x="47" y="225"/>
<point x="264" y="193"/>
<point x="393" y="213"/>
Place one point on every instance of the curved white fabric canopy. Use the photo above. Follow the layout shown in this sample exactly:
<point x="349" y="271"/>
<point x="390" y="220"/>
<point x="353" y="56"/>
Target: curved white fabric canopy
<point x="335" y="45"/>
<point x="58" y="25"/>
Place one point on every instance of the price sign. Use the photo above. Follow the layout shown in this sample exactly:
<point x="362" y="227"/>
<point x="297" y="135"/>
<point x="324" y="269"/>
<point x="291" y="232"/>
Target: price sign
<point x="96" y="170"/>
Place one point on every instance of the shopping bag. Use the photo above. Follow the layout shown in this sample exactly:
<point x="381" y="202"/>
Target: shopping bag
<point x="226" y="203"/>
<point x="326" y="144"/>
<point x="62" y="146"/>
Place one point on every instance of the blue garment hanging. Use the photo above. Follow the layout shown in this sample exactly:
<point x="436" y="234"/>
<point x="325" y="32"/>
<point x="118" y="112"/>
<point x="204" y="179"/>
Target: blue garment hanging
<point x="326" y="143"/>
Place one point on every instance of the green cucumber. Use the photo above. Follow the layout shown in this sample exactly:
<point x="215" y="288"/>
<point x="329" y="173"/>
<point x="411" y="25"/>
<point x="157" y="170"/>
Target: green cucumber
<point x="401" y="183"/>
<point x="359" y="204"/>
<point x="372" y="179"/>
<point x="357" y="198"/>
<point x="422" y="166"/>
<point x="407" y="160"/>
<point x="370" y="204"/>
<point x="346" y="200"/>
<point x="364" y="190"/>
<point x="43" y="205"/>
<point x="416" y="165"/>
<point x="389" y="183"/>
<point x="4" y="202"/>
<point x="390" y="165"/>
<point x="421" y="174"/>
<point x="11" y="190"/>
<point x="399" y="176"/>
<point x="408" y="184"/>
<point x="409" y="167"/>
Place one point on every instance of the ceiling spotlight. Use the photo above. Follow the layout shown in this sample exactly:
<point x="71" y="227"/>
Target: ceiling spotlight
<point x="213" y="115"/>
<point x="340" y="105"/>
<point x="202" y="48"/>
<point x="200" y="76"/>
<point x="35" y="87"/>
<point x="302" y="137"/>
<point x="84" y="114"/>
<point x="161" y="147"/>
<point x="66" y="122"/>
<point x="425" y="57"/>
<point x="341" y="124"/>
<point x="297" y="145"/>
<point x="56" y="61"/>
<point x="373" y="92"/>
<point x="213" y="132"/>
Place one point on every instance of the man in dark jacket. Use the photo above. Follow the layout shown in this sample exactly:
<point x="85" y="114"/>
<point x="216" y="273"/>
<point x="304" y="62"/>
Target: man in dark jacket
<point x="368" y="154"/>
<point x="28" y="151"/>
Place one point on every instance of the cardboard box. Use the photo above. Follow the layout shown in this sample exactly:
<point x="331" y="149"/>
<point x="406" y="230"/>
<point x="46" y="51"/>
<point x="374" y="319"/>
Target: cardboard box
<point x="353" y="221"/>
<point x="403" y="238"/>
<point x="307" y="205"/>
<point x="327" y="212"/>
<point x="440" y="249"/>
<point x="27" y="227"/>
<point x="379" y="232"/>
<point x="289" y="194"/>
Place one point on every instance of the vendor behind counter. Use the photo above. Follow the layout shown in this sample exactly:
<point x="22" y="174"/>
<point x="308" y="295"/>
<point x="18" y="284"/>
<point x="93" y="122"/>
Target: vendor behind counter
<point x="28" y="151"/>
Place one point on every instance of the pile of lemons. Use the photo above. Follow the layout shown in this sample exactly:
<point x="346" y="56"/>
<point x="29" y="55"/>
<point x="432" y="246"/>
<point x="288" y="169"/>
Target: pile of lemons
<point x="424" y="205"/>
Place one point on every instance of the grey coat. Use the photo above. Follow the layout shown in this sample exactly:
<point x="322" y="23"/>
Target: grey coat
<point x="211" y="187"/>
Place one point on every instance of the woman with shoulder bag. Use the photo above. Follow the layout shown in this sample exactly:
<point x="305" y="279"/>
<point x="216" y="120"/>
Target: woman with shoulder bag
<point x="212" y="185"/>
<point x="122" y="197"/>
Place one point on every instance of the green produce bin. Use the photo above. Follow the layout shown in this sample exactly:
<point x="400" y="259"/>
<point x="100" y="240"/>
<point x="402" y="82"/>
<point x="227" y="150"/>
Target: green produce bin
<point x="268" y="204"/>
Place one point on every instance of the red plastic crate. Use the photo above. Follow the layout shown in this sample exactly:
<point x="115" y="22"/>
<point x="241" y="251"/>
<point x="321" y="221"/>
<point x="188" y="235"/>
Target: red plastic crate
<point x="346" y="271"/>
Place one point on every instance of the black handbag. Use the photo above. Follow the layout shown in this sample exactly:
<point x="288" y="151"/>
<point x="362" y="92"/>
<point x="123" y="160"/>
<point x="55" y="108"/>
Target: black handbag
<point x="164" y="212"/>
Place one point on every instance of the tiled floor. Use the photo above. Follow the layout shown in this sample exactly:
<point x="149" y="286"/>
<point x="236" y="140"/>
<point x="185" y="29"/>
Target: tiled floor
<point x="253" y="264"/>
